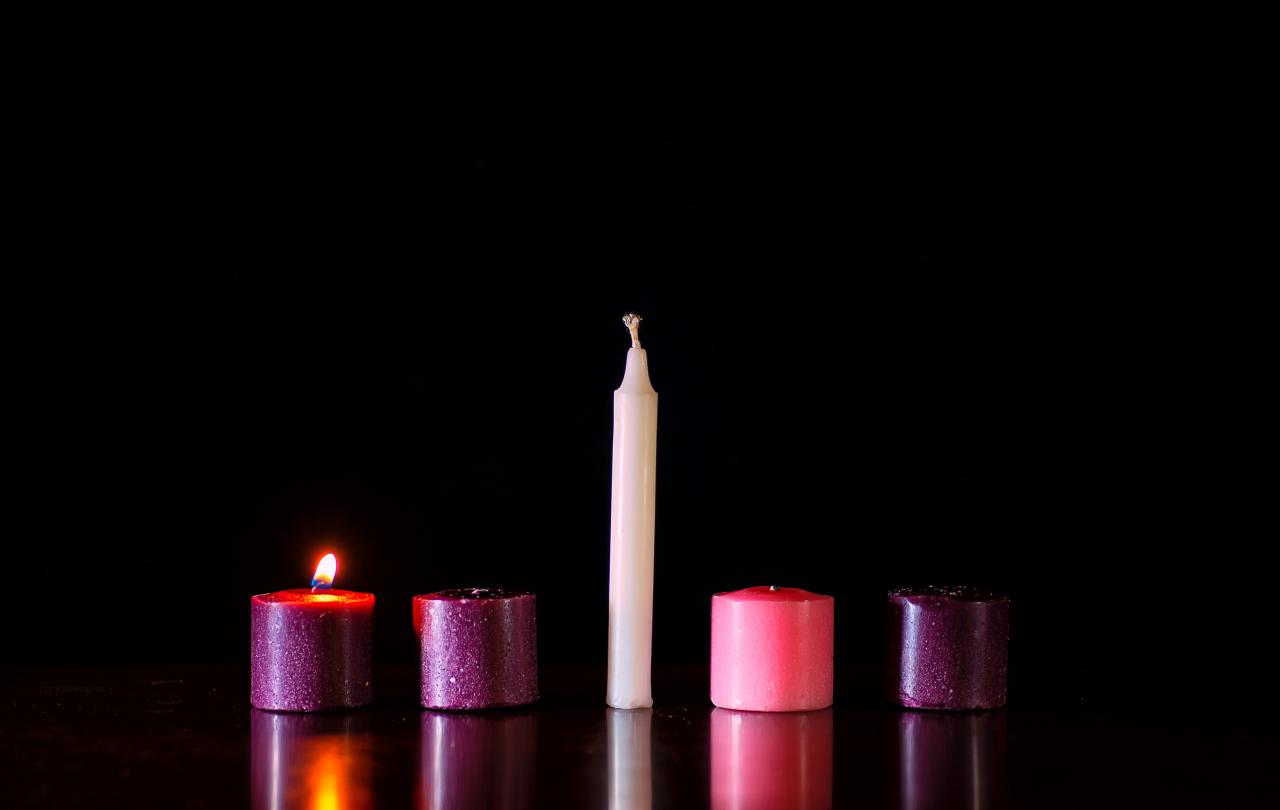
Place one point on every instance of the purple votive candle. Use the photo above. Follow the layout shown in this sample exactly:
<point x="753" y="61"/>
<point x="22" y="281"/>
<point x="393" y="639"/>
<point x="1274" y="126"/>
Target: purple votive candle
<point x="478" y="647"/>
<point x="311" y="650"/>
<point x="948" y="648"/>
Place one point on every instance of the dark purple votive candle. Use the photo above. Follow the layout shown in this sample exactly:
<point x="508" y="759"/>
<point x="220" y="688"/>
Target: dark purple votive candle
<point x="948" y="648"/>
<point x="478" y="647"/>
<point x="311" y="651"/>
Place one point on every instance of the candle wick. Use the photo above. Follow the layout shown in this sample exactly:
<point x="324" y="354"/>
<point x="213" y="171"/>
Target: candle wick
<point x="632" y="321"/>
<point x="775" y="587"/>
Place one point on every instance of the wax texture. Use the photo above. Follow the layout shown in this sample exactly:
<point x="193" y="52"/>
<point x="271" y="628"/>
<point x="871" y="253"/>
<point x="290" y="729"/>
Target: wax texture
<point x="478" y="648"/>
<point x="948" y="648"/>
<point x="311" y="651"/>
<point x="772" y="649"/>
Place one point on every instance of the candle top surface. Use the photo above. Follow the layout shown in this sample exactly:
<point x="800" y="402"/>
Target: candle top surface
<point x="958" y="593"/>
<point x="306" y="596"/>
<point x="466" y="594"/>
<point x="772" y="593"/>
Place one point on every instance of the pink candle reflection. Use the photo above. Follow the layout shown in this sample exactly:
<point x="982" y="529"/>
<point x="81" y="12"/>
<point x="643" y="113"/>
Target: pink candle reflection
<point x="775" y="760"/>
<point x="952" y="760"/>
<point x="480" y="760"/>
<point x="310" y="761"/>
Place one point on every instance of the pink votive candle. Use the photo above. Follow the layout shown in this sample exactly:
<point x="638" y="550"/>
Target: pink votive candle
<point x="772" y="649"/>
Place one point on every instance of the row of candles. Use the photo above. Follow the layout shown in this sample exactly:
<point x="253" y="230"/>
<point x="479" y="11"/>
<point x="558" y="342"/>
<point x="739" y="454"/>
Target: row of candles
<point x="474" y="760"/>
<point x="772" y="648"/>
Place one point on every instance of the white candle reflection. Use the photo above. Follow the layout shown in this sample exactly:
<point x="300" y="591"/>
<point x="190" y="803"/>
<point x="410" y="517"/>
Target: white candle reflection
<point x="630" y="759"/>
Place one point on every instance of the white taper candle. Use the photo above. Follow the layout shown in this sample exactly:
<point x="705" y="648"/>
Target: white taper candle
<point x="635" y="448"/>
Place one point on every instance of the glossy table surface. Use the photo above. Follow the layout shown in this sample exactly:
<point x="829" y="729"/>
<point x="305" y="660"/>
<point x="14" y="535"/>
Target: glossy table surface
<point x="186" y="737"/>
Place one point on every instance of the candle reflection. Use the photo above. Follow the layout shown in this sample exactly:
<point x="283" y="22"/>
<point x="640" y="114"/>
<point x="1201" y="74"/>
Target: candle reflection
<point x="952" y="760"/>
<point x="630" y="759"/>
<point x="310" y="761"/>
<point x="775" y="760"/>
<point x="477" y="761"/>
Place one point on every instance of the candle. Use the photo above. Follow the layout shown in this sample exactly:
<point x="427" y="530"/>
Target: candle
<point x="477" y="761"/>
<point x="635" y="447"/>
<point x="948" y="648"/>
<point x="478" y="648"/>
<point x="952" y="760"/>
<point x="772" y="649"/>
<point x="312" y="648"/>
<point x="310" y="760"/>
<point x="770" y="760"/>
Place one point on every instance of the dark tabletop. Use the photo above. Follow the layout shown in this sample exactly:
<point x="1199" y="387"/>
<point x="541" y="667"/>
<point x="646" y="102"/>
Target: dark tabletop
<point x="186" y="737"/>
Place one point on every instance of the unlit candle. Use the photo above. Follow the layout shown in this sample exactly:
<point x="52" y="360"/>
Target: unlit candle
<point x="635" y="447"/>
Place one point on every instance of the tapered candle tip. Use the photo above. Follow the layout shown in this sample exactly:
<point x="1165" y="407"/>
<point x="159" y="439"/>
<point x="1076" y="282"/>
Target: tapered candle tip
<point x="632" y="321"/>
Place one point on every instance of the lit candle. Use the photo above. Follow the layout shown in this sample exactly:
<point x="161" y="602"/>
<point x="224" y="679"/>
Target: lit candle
<point x="635" y="448"/>
<point x="312" y="647"/>
<point x="772" y="649"/>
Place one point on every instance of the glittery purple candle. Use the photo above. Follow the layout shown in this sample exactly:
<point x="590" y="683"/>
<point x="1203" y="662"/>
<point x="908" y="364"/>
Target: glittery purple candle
<point x="948" y="648"/>
<point x="479" y="648"/>
<point x="312" y="650"/>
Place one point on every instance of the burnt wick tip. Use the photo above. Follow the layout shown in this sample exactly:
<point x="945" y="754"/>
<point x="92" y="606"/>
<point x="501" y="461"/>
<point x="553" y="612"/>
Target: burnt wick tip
<point x="632" y="321"/>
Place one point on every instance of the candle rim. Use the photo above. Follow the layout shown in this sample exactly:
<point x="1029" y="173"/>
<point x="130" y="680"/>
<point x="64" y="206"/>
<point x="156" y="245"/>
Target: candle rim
<point x="471" y="595"/>
<point x="948" y="593"/>
<point x="299" y="596"/>
<point x="768" y="593"/>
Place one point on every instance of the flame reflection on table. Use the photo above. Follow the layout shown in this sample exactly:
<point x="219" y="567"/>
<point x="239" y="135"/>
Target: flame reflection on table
<point x="775" y="760"/>
<point x="477" y="760"/>
<point x="952" y="760"/>
<point x="310" y="761"/>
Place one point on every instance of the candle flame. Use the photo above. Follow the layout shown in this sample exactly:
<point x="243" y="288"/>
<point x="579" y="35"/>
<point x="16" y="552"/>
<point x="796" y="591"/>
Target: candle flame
<point x="325" y="572"/>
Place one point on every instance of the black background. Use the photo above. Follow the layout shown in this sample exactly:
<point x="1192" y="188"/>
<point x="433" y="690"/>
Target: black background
<point x="956" y="325"/>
